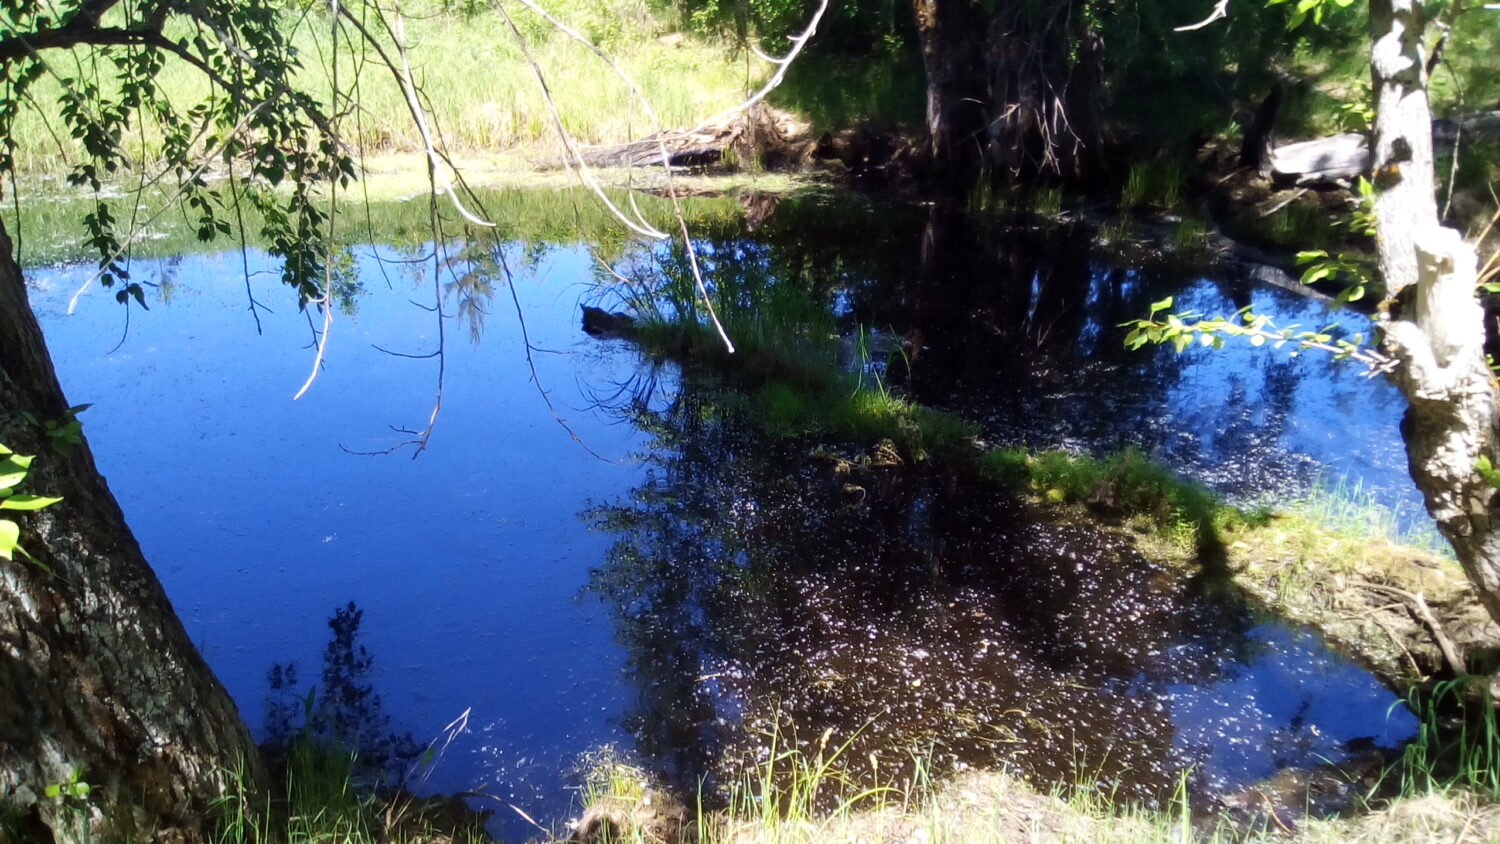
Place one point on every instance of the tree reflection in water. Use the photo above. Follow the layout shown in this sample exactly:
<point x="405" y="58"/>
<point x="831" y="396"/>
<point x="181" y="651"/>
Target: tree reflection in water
<point x="799" y="588"/>
<point x="343" y="715"/>
<point x="929" y="616"/>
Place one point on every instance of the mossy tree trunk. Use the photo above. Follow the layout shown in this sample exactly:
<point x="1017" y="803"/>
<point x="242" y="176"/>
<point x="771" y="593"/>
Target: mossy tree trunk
<point x="99" y="682"/>
<point x="1434" y="327"/>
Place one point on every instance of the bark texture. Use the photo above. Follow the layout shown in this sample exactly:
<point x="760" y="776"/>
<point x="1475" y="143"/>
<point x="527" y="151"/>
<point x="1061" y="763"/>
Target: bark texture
<point x="957" y="97"/>
<point x="1402" y="163"/>
<point x="1435" y="327"/>
<point x="98" y="679"/>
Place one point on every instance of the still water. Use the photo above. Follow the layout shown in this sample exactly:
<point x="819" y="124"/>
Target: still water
<point x="590" y="554"/>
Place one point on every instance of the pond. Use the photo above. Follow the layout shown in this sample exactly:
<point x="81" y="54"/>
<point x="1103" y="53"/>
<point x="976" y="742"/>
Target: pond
<point x="594" y="552"/>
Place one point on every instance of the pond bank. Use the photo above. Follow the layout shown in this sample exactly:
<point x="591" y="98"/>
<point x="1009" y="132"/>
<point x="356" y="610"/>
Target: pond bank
<point x="981" y="808"/>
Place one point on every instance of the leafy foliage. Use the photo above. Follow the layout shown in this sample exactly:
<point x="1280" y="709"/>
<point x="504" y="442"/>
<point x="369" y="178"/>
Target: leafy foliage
<point x="1184" y="329"/>
<point x="253" y="116"/>
<point x="13" y="471"/>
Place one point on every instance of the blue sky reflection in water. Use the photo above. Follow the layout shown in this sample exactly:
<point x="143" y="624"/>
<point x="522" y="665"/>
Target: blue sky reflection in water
<point x="467" y="562"/>
<point x="472" y="564"/>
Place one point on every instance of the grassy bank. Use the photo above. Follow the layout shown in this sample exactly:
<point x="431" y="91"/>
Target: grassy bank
<point x="481" y="91"/>
<point x="621" y="807"/>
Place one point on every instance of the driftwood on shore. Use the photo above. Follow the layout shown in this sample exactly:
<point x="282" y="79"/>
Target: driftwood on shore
<point x="1343" y="157"/>
<point x="1322" y="159"/>
<point x="770" y="137"/>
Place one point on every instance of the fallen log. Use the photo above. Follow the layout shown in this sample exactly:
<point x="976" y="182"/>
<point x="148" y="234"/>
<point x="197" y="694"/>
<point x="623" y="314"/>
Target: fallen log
<point x="1344" y="157"/>
<point x="770" y="138"/>
<point x="1321" y="159"/>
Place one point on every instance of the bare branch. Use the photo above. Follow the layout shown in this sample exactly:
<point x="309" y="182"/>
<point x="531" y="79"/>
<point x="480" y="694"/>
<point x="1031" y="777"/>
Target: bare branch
<point x="782" y="64"/>
<point x="1221" y="10"/>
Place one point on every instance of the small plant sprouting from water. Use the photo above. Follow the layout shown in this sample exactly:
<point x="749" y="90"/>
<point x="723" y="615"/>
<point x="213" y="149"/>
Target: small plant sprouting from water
<point x="1348" y="508"/>
<point x="1153" y="183"/>
<point x="792" y="783"/>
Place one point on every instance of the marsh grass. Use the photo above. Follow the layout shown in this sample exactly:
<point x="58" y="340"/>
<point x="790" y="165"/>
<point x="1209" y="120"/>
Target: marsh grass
<point x="315" y="798"/>
<point x="48" y="229"/>
<point x="1154" y="183"/>
<point x="1347" y="508"/>
<point x="1458" y="743"/>
<point x="885" y="89"/>
<point x="1192" y="234"/>
<point x="797" y="794"/>
<point x="795" y="370"/>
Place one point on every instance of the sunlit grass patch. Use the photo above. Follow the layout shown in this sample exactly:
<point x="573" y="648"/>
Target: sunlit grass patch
<point x="1127" y="483"/>
<point x="798" y="794"/>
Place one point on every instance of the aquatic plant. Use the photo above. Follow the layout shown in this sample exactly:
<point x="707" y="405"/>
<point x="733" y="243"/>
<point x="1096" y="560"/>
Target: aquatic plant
<point x="1153" y="183"/>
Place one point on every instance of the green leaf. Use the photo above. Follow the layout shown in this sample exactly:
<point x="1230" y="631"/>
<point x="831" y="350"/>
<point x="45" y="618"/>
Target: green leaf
<point x="1162" y="305"/>
<point x="18" y="461"/>
<point x="27" y="502"/>
<point x="10" y="537"/>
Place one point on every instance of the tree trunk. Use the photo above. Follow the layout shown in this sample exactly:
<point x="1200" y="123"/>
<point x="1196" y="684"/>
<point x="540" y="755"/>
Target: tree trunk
<point x="1014" y="87"/>
<point x="951" y="34"/>
<point x="1436" y="328"/>
<point x="99" y="682"/>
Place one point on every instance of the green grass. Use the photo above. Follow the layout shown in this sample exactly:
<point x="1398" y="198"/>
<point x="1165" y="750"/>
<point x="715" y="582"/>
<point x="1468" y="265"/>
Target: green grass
<point x="1153" y="183"/>
<point x="315" y="800"/>
<point x="1126" y="483"/>
<point x="798" y="793"/>
<point x="792" y="370"/>
<point x="1458" y="743"/>
<point x="1351" y="510"/>
<point x="836" y="92"/>
<point x="48" y="230"/>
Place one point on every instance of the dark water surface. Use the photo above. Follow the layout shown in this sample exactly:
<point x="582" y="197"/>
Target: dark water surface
<point x="693" y="586"/>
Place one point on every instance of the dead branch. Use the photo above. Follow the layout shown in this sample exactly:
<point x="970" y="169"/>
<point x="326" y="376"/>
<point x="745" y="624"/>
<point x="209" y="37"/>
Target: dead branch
<point x="1417" y="605"/>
